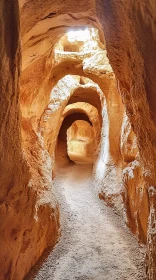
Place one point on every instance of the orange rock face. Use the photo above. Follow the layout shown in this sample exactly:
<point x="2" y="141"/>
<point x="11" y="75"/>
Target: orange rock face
<point x="130" y="40"/>
<point x="84" y="96"/>
<point x="29" y="220"/>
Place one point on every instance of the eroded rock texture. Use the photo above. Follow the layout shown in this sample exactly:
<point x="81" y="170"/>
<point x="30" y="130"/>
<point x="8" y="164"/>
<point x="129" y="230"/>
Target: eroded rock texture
<point x="135" y="193"/>
<point x="104" y="77"/>
<point x="29" y="221"/>
<point x="130" y="33"/>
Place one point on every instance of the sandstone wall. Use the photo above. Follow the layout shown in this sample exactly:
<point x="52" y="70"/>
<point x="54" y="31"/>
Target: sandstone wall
<point x="130" y="33"/>
<point x="135" y="188"/>
<point x="28" y="223"/>
<point x="126" y="162"/>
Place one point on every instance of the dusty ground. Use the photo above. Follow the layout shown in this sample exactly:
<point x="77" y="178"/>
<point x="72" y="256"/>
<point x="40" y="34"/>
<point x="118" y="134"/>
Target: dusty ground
<point x="95" y="244"/>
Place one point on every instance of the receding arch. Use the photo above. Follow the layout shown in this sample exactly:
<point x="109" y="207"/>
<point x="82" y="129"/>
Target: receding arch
<point x="88" y="95"/>
<point x="60" y="96"/>
<point x="79" y="111"/>
<point x="90" y="111"/>
<point x="55" y="65"/>
<point x="70" y="116"/>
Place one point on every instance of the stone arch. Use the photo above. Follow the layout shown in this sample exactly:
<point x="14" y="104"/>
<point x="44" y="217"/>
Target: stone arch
<point x="83" y="108"/>
<point x="60" y="97"/>
<point x="55" y="65"/>
<point x="90" y="111"/>
<point x="60" y="145"/>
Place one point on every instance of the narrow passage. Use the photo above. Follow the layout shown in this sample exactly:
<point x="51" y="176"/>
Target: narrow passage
<point x="95" y="243"/>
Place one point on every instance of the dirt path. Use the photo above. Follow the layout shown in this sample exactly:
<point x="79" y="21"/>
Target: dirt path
<point x="95" y="244"/>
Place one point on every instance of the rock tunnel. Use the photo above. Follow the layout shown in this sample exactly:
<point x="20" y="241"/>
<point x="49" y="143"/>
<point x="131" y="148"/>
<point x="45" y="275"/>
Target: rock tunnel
<point x="78" y="148"/>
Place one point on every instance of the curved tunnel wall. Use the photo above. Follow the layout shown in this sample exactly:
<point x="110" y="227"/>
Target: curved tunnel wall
<point x="61" y="154"/>
<point x="37" y="81"/>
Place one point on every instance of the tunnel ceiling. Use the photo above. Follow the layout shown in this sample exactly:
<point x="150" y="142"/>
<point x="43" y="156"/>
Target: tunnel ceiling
<point x="86" y="95"/>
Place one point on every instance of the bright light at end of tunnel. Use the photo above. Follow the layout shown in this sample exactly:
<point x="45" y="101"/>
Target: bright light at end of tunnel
<point x="79" y="35"/>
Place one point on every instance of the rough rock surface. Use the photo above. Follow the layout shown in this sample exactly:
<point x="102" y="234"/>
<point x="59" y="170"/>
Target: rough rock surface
<point x="28" y="223"/>
<point x="133" y="23"/>
<point x="134" y="184"/>
<point x="125" y="168"/>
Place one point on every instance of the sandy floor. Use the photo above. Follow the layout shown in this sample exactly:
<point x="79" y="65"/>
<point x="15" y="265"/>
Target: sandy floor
<point x="95" y="244"/>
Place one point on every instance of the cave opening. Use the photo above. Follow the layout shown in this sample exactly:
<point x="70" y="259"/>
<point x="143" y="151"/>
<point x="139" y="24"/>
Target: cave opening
<point x="75" y="140"/>
<point x="81" y="142"/>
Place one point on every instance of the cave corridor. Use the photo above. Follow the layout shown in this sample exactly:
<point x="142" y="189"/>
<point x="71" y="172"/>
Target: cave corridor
<point x="78" y="148"/>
